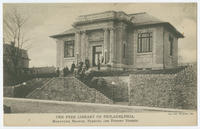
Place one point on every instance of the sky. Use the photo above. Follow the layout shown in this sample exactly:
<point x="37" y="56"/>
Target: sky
<point x="49" y="19"/>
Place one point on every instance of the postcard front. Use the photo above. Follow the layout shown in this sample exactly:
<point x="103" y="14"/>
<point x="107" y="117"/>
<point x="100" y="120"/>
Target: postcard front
<point x="100" y="64"/>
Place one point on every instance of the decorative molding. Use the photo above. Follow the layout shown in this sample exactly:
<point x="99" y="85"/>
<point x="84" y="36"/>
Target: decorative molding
<point x="78" y="31"/>
<point x="83" y="31"/>
<point x="104" y="16"/>
<point x="106" y="29"/>
<point x="112" y="28"/>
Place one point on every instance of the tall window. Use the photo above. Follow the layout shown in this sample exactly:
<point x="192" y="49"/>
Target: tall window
<point x="69" y="49"/>
<point x="144" y="42"/>
<point x="171" y="40"/>
<point x="124" y="50"/>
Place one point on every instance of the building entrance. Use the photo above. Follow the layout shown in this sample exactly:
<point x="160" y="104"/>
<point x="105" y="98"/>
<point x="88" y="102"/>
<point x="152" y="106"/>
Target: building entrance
<point x="96" y="54"/>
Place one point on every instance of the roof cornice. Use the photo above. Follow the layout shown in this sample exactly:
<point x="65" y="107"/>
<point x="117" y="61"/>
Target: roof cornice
<point x="104" y="16"/>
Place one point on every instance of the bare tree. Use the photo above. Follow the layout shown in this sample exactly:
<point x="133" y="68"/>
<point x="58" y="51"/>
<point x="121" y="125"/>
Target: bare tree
<point x="13" y="30"/>
<point x="14" y="33"/>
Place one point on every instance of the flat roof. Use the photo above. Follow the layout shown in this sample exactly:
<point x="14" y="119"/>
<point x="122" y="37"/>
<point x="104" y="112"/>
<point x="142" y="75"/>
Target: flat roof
<point x="137" y="20"/>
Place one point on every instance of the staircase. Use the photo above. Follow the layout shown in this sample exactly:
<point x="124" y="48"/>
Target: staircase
<point x="68" y="89"/>
<point x="39" y="88"/>
<point x="23" y="89"/>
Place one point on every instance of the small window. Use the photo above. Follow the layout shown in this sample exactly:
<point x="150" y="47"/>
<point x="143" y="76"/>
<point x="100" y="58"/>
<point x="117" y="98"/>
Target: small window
<point x="171" y="40"/>
<point x="69" y="49"/>
<point x="144" y="42"/>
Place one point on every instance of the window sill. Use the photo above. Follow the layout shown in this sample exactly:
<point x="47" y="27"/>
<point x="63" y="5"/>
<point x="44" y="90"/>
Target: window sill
<point x="69" y="58"/>
<point x="145" y="53"/>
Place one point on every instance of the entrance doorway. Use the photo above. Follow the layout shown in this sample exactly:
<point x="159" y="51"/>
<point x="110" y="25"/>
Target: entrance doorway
<point x="96" y="54"/>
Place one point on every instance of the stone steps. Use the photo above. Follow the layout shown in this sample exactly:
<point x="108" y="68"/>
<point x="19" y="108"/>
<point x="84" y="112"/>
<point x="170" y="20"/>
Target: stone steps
<point x="37" y="89"/>
<point x="69" y="89"/>
<point x="97" y="92"/>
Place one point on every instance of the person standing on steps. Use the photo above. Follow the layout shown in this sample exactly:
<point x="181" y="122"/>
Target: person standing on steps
<point x="72" y="67"/>
<point x="58" y="72"/>
<point x="98" y="64"/>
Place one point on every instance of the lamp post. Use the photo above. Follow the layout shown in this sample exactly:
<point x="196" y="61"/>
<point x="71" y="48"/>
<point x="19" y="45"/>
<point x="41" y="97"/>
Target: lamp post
<point x="77" y="58"/>
<point x="113" y="84"/>
<point x="105" y="56"/>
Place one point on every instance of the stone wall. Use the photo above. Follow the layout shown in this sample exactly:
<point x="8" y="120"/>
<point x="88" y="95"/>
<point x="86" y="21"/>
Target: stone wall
<point x="170" y="60"/>
<point x="8" y="91"/>
<point x="152" y="59"/>
<point x="23" y="89"/>
<point x="186" y="86"/>
<point x="70" y="89"/>
<point x="118" y="90"/>
<point x="165" y="90"/>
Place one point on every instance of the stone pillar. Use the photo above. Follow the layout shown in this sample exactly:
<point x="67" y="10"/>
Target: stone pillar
<point x="78" y="46"/>
<point x="112" y="46"/>
<point x="86" y="46"/>
<point x="83" y="46"/>
<point x="154" y="47"/>
<point x="135" y="45"/>
<point x="105" y="48"/>
<point x="62" y="55"/>
<point x="58" y="54"/>
<point x="120" y="42"/>
<point x="123" y="41"/>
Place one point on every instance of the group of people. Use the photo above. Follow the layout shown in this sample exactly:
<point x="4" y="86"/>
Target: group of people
<point x="77" y="70"/>
<point x="82" y="68"/>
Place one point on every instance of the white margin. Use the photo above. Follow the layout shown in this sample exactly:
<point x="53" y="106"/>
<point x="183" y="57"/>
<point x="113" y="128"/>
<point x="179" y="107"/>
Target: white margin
<point x="94" y="1"/>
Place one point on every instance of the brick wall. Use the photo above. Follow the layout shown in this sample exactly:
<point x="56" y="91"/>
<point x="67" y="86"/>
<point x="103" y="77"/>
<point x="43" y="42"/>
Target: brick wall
<point x="165" y="90"/>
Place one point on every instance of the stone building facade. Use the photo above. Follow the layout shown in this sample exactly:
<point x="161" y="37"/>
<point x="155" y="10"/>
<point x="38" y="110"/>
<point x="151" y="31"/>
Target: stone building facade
<point x="119" y="40"/>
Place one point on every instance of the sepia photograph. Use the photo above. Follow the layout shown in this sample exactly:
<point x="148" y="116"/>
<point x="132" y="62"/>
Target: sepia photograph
<point x="83" y="64"/>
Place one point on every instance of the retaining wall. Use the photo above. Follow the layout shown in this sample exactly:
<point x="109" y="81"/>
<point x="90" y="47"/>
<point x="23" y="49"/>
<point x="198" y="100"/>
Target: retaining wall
<point x="118" y="90"/>
<point x="21" y="90"/>
<point x="165" y="90"/>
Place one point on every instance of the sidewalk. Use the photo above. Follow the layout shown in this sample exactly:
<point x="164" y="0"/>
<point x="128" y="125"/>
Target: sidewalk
<point x="19" y="105"/>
